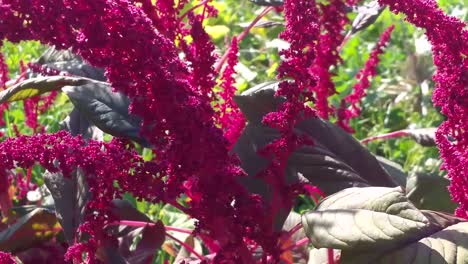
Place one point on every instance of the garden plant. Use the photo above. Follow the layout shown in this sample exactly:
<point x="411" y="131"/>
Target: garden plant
<point x="261" y="131"/>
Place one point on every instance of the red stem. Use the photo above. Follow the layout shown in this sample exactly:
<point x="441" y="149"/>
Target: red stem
<point x="186" y="246"/>
<point x="298" y="243"/>
<point x="343" y="43"/>
<point x="178" y="206"/>
<point x="28" y="177"/>
<point x="331" y="257"/>
<point x="291" y="232"/>
<point x="191" y="9"/>
<point x="178" y="229"/>
<point x="241" y="36"/>
<point x="395" y="134"/>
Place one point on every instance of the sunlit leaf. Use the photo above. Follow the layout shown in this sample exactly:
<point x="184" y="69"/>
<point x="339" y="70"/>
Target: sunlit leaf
<point x="29" y="230"/>
<point x="37" y="86"/>
<point x="367" y="224"/>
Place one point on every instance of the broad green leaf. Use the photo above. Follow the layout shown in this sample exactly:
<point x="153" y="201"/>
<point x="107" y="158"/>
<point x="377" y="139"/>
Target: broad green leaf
<point x="172" y="216"/>
<point x="185" y="256"/>
<point x="448" y="246"/>
<point x="37" y="86"/>
<point x="29" y="230"/>
<point x="367" y="223"/>
<point x="430" y="192"/>
<point x="217" y="31"/>
<point x="106" y="110"/>
<point x="70" y="197"/>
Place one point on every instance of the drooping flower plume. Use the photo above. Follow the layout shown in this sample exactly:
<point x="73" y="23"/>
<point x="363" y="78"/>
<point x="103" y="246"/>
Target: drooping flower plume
<point x="300" y="16"/>
<point x="230" y="117"/>
<point x="449" y="39"/>
<point x="333" y="19"/>
<point x="3" y="79"/>
<point x="363" y="77"/>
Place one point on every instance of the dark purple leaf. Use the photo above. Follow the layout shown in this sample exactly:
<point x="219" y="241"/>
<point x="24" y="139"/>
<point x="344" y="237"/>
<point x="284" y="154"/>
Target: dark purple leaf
<point x="152" y="239"/>
<point x="106" y="109"/>
<point x="268" y="2"/>
<point x="77" y="124"/>
<point x="70" y="197"/>
<point x="336" y="160"/>
<point x="152" y="235"/>
<point x="67" y="61"/>
<point x="394" y="170"/>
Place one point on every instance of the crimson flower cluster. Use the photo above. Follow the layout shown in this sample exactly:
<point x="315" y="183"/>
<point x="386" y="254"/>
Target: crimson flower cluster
<point x="7" y="258"/>
<point x="3" y="79"/>
<point x="359" y="89"/>
<point x="103" y="163"/>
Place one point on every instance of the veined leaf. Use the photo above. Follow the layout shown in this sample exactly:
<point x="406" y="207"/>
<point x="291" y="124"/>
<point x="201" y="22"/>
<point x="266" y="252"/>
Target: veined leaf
<point x="106" y="110"/>
<point x="376" y="224"/>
